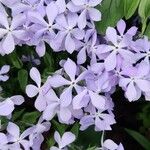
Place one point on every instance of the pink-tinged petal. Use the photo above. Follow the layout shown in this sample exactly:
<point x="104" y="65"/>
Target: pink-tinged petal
<point x="70" y="68"/>
<point x="81" y="57"/>
<point x="40" y="103"/>
<point x="3" y="139"/>
<point x="111" y="35"/>
<point x="66" y="97"/>
<point x="73" y="8"/>
<point x="79" y="2"/>
<point x="144" y="85"/>
<point x="82" y="19"/>
<point x="131" y="92"/>
<point x="40" y="49"/>
<point x="94" y="14"/>
<point x="17" y="21"/>
<point x="132" y="31"/>
<point x="8" y="44"/>
<point x="109" y="144"/>
<point x="97" y="100"/>
<point x="6" y="107"/>
<point x="111" y="61"/>
<point x="57" y="81"/>
<point x="35" y="76"/>
<point x="3" y="32"/>
<point x="69" y="44"/>
<point x="13" y="130"/>
<point x="94" y="3"/>
<point x="57" y="137"/>
<point x="67" y="139"/>
<point x="121" y="26"/>
<point x="50" y="111"/>
<point x="18" y="99"/>
<point x="4" y="69"/>
<point x="65" y="114"/>
<point x="78" y="34"/>
<point x="31" y="90"/>
<point x="77" y="100"/>
<point x="61" y="4"/>
<point x="72" y="19"/>
<point x="4" y="21"/>
<point x="52" y="12"/>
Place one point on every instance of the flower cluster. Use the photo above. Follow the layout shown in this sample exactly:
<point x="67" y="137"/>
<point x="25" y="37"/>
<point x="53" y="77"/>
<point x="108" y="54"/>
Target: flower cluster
<point x="80" y="90"/>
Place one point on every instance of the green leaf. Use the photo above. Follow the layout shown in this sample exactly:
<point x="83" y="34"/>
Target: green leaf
<point x="23" y="78"/>
<point x="30" y="117"/>
<point x="17" y="114"/>
<point x="50" y="142"/>
<point x="139" y="138"/>
<point x="49" y="61"/>
<point x="61" y="128"/>
<point x="147" y="31"/>
<point x="130" y="7"/>
<point x="112" y="11"/>
<point x="15" y="60"/>
<point x="144" y="12"/>
<point x="75" y="129"/>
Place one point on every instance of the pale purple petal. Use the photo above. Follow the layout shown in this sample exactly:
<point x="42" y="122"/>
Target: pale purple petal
<point x="8" y="44"/>
<point x="31" y="90"/>
<point x="111" y="61"/>
<point x="67" y="139"/>
<point x="71" y="69"/>
<point x="57" y="81"/>
<point x="97" y="100"/>
<point x="94" y="14"/>
<point x="131" y="92"/>
<point x="82" y="20"/>
<point x="52" y="12"/>
<point x="35" y="76"/>
<point x="121" y="26"/>
<point x="111" y="35"/>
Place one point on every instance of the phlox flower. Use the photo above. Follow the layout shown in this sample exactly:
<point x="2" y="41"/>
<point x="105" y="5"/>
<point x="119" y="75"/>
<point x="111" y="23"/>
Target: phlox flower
<point x="88" y="12"/>
<point x="68" y="33"/>
<point x="100" y="118"/>
<point x="54" y="107"/>
<point x="10" y="32"/>
<point x="117" y="48"/>
<point x="58" y="80"/>
<point x="39" y="90"/>
<point x="45" y="28"/>
<point x="134" y="81"/>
